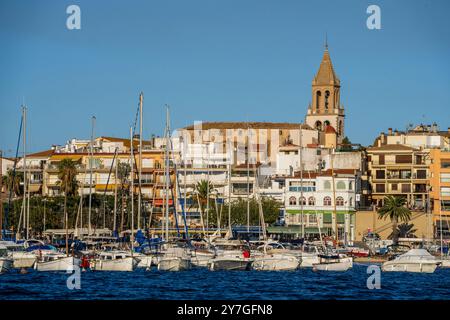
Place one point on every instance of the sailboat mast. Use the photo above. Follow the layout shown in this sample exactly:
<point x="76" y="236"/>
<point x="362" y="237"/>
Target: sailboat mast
<point x="25" y="172"/>
<point x="141" y="100"/>
<point x="167" y="172"/>
<point x="90" y="176"/>
<point x="336" y="233"/>
<point x="248" y="181"/>
<point x="301" y="181"/>
<point x="229" y="197"/>
<point x="207" y="188"/>
<point x="115" y="196"/>
<point x="132" y="187"/>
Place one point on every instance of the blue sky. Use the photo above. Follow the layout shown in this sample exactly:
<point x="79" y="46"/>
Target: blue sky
<point x="233" y="60"/>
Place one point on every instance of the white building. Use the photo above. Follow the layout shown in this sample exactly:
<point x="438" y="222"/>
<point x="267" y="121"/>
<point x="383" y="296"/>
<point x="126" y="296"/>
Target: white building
<point x="312" y="200"/>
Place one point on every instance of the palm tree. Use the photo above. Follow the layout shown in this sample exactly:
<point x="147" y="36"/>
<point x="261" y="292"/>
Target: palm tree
<point x="67" y="173"/>
<point x="123" y="174"/>
<point x="395" y="209"/>
<point x="405" y="230"/>
<point x="200" y="196"/>
<point x="12" y="182"/>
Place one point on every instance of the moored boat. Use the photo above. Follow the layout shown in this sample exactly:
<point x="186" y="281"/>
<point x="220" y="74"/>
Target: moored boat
<point x="415" y="260"/>
<point x="56" y="262"/>
<point x="333" y="262"/>
<point x="114" y="261"/>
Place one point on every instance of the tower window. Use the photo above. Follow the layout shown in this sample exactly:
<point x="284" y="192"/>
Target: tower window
<point x="318" y="95"/>
<point x="326" y="123"/>
<point x="327" y="95"/>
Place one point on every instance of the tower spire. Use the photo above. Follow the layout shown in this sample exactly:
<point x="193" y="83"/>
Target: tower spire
<point x="326" y="41"/>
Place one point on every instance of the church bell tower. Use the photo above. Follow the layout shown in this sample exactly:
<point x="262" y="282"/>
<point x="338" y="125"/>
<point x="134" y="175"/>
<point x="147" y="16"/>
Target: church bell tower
<point x="326" y="109"/>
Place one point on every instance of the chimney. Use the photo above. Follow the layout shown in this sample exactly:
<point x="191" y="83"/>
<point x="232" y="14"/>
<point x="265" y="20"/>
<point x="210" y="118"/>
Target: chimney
<point x="448" y="129"/>
<point x="390" y="131"/>
<point x="382" y="139"/>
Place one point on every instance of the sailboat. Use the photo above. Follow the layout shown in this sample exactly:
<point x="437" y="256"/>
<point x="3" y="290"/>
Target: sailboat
<point x="275" y="257"/>
<point x="331" y="260"/>
<point x="175" y="256"/>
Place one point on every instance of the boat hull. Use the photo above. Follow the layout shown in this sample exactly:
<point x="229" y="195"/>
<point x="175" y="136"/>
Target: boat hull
<point x="200" y="260"/>
<point x="276" y="264"/>
<point x="229" y="264"/>
<point x="23" y="259"/>
<point x="123" y="264"/>
<point x="309" y="261"/>
<point x="61" y="264"/>
<point x="336" y="266"/>
<point x="174" y="264"/>
<point x="144" y="261"/>
<point x="445" y="263"/>
<point x="5" y="265"/>
<point x="423" y="267"/>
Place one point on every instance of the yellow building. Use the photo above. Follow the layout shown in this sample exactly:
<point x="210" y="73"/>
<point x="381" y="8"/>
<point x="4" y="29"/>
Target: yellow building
<point x="399" y="170"/>
<point x="440" y="189"/>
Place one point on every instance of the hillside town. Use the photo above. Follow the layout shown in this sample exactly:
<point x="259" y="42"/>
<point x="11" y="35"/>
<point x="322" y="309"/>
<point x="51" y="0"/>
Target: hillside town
<point x="324" y="184"/>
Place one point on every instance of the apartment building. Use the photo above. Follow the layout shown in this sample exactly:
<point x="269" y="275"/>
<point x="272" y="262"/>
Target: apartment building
<point x="401" y="171"/>
<point x="440" y="190"/>
<point x="311" y="201"/>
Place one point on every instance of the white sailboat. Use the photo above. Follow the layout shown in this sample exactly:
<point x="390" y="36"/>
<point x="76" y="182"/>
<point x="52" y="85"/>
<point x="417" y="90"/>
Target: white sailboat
<point x="332" y="260"/>
<point x="415" y="260"/>
<point x="174" y="258"/>
<point x="114" y="261"/>
<point x="56" y="262"/>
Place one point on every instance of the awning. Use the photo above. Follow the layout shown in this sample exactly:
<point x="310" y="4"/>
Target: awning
<point x="292" y="230"/>
<point x="73" y="157"/>
<point x="104" y="187"/>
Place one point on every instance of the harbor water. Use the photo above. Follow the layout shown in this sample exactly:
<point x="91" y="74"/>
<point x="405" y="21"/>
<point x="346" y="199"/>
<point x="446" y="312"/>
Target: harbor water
<point x="201" y="284"/>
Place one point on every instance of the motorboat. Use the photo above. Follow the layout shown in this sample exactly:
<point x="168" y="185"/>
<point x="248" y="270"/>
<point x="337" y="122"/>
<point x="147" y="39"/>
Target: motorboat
<point x="175" y="258"/>
<point x="333" y="262"/>
<point x="275" y="258"/>
<point x="201" y="253"/>
<point x="28" y="257"/>
<point x="231" y="255"/>
<point x="415" y="260"/>
<point x="114" y="261"/>
<point x="56" y="262"/>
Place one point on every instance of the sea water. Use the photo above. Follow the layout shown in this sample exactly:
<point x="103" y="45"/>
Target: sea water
<point x="201" y="284"/>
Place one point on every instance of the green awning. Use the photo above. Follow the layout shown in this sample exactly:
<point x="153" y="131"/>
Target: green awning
<point x="292" y="230"/>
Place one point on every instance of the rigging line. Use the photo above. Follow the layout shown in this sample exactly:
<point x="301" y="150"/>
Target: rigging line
<point x="13" y="176"/>
<point x="106" y="188"/>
